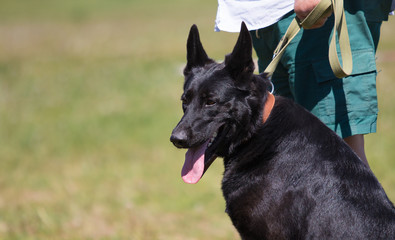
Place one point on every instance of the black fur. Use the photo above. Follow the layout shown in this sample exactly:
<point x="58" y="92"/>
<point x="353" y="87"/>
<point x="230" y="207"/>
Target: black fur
<point x="288" y="178"/>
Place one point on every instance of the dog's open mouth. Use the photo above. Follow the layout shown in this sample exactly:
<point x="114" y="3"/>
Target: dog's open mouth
<point x="199" y="159"/>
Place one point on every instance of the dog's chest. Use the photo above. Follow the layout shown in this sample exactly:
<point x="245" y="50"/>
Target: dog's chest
<point x="245" y="200"/>
<point x="255" y="204"/>
<point x="252" y="214"/>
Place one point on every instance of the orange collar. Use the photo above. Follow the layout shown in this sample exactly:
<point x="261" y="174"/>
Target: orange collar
<point x="268" y="107"/>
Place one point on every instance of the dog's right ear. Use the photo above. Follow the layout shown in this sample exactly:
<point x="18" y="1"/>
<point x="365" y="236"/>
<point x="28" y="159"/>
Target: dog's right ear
<point x="196" y="56"/>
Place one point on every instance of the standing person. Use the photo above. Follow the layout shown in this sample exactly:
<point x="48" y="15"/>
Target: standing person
<point x="348" y="106"/>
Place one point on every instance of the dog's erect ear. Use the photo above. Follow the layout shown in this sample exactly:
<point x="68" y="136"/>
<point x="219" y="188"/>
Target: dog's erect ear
<point x="196" y="56"/>
<point x="240" y="60"/>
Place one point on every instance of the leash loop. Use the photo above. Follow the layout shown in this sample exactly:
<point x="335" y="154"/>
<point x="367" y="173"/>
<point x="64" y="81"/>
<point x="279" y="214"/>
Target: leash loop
<point x="340" y="27"/>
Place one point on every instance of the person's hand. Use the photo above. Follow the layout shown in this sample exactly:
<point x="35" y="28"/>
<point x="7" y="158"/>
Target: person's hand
<point x="304" y="7"/>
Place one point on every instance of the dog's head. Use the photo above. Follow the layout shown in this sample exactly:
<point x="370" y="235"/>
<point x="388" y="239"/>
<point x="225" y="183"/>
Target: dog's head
<point x="222" y="104"/>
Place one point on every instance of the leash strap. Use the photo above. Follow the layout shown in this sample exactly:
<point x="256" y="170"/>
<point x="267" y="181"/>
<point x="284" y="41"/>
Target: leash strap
<point x="340" y="27"/>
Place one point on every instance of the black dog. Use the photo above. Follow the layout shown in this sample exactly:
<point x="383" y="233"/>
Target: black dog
<point x="287" y="176"/>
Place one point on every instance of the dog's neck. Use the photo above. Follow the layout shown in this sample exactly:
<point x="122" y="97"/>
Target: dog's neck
<point x="267" y="109"/>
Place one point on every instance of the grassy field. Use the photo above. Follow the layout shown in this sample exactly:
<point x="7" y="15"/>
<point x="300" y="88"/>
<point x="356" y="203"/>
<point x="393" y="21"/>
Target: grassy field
<point x="89" y="94"/>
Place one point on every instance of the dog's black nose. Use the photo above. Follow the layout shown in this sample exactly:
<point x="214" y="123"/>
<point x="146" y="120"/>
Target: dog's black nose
<point x="179" y="138"/>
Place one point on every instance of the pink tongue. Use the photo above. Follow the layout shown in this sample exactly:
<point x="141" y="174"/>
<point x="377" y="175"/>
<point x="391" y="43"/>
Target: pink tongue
<point x="193" y="167"/>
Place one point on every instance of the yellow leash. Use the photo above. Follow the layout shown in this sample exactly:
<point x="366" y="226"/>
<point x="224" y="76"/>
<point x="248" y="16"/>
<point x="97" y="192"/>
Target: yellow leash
<point x="340" y="27"/>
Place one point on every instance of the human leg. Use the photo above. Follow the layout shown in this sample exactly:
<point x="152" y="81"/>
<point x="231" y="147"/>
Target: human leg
<point x="348" y="106"/>
<point x="375" y="28"/>
<point x="357" y="143"/>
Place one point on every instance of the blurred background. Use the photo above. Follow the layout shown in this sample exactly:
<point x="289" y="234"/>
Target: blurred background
<point x="89" y="94"/>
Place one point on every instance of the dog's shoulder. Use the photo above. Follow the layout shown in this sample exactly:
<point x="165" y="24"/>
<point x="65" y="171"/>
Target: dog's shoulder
<point x="288" y="111"/>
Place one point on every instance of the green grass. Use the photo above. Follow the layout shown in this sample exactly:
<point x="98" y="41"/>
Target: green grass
<point x="89" y="93"/>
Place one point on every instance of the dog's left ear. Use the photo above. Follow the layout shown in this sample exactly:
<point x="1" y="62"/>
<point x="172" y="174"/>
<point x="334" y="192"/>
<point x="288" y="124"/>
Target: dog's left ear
<point x="240" y="60"/>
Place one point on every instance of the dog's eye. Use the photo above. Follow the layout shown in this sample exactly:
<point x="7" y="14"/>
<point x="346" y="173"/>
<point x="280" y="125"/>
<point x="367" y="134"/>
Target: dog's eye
<point x="210" y="103"/>
<point x="184" y="105"/>
<point x="183" y="100"/>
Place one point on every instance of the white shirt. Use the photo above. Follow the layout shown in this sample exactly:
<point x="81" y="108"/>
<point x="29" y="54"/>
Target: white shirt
<point x="255" y="13"/>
